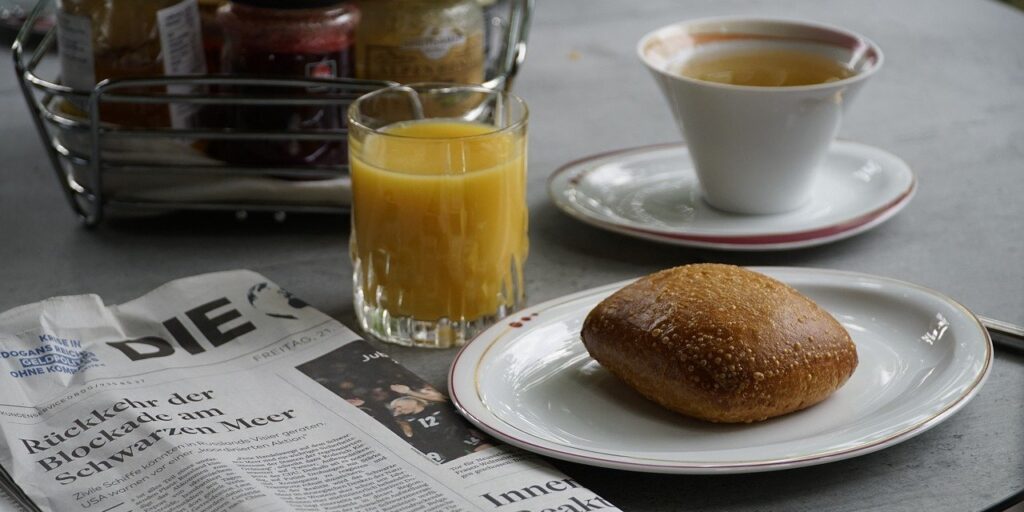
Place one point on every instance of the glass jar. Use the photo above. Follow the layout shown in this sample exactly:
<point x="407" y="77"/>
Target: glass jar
<point x="409" y="41"/>
<point x="285" y="38"/>
<point x="101" y="39"/>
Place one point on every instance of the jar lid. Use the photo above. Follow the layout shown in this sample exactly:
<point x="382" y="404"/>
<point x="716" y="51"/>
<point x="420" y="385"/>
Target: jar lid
<point x="289" y="4"/>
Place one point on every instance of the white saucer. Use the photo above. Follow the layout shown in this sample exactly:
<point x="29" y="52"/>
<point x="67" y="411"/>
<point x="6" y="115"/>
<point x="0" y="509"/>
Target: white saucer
<point x="652" y="192"/>
<point x="529" y="381"/>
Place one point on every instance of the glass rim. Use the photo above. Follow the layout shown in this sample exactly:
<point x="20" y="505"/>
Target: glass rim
<point x="444" y="87"/>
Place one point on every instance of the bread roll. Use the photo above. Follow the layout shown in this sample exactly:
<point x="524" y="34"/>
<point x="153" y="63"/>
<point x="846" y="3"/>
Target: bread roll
<point x="720" y="343"/>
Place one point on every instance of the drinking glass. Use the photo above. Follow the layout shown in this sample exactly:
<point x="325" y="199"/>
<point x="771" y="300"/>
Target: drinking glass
<point x="439" y="216"/>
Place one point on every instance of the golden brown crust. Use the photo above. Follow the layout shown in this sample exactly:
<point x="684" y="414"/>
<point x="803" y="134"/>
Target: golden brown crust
<point x="720" y="343"/>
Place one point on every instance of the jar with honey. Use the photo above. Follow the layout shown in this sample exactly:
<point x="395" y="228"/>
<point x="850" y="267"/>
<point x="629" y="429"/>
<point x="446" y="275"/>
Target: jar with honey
<point x="114" y="39"/>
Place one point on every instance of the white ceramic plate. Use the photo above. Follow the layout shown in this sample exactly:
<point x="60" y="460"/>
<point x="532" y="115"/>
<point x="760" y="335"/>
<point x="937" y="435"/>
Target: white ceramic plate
<point x="530" y="382"/>
<point x="652" y="193"/>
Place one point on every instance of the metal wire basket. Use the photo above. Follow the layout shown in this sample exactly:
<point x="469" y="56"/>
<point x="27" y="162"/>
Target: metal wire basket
<point x="103" y="167"/>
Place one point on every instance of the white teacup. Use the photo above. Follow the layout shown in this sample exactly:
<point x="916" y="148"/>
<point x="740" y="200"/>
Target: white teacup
<point x="755" y="148"/>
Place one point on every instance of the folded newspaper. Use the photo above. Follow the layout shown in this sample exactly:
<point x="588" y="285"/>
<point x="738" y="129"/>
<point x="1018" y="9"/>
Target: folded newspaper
<point x="225" y="392"/>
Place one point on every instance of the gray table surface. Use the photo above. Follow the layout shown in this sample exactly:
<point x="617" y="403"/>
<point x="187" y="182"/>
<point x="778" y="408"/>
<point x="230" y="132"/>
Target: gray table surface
<point x="950" y="101"/>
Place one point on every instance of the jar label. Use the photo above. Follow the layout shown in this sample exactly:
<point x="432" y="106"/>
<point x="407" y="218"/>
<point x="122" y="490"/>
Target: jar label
<point x="457" y="58"/>
<point x="74" y="44"/>
<point x="435" y="43"/>
<point x="182" y="46"/>
<point x="326" y="68"/>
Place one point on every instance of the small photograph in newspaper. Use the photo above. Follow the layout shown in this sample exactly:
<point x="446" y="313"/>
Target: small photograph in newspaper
<point x="397" y="399"/>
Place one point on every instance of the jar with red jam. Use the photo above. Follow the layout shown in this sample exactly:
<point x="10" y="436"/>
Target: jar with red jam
<point x="285" y="38"/>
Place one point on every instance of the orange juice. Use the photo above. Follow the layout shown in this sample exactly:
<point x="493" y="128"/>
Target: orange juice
<point x="439" y="218"/>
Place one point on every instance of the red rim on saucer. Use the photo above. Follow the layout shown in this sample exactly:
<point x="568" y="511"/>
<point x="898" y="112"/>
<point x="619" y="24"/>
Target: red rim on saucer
<point x="651" y="192"/>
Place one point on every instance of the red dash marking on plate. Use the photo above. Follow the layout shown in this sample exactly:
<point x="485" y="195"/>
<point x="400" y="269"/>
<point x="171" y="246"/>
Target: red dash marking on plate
<point x="516" y="324"/>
